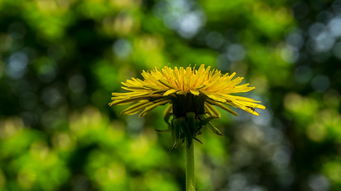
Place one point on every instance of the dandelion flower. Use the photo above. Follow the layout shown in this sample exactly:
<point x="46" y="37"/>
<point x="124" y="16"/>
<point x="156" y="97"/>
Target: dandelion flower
<point x="185" y="90"/>
<point x="192" y="95"/>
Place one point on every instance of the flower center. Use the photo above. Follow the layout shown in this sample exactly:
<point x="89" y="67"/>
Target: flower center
<point x="187" y="103"/>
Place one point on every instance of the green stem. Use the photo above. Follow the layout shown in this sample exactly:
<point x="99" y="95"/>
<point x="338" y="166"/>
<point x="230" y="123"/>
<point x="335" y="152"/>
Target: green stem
<point x="190" y="165"/>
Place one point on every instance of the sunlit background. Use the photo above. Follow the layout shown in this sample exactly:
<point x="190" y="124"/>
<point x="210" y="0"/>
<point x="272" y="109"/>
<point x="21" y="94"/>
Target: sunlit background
<point x="61" y="59"/>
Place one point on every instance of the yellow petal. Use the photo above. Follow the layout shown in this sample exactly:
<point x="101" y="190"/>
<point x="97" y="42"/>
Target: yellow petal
<point x="216" y="98"/>
<point x="212" y="111"/>
<point x="230" y="97"/>
<point x="223" y="106"/>
<point x="131" y="110"/>
<point x="195" y="92"/>
<point x="146" y="109"/>
<point x="168" y="92"/>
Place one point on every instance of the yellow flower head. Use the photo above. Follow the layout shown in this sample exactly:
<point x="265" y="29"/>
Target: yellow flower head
<point x="186" y="90"/>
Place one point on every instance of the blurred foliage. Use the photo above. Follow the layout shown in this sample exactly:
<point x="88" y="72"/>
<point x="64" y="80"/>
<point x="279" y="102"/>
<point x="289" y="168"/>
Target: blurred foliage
<point x="60" y="59"/>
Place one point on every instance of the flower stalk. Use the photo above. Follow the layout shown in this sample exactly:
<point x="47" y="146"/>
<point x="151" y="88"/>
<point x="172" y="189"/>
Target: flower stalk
<point x="190" y="178"/>
<point x="184" y="130"/>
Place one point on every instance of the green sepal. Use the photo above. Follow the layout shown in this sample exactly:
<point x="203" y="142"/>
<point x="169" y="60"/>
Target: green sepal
<point x="162" y="130"/>
<point x="215" y="129"/>
<point x="167" y="115"/>
<point x="198" y="140"/>
<point x="188" y="127"/>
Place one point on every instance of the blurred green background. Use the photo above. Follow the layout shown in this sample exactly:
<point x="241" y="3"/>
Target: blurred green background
<point x="61" y="59"/>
